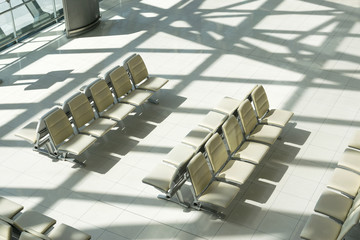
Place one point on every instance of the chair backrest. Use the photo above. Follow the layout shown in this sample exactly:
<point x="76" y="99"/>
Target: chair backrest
<point x="200" y="175"/>
<point x="137" y="69"/>
<point x="101" y="95"/>
<point x="80" y="109"/>
<point x="216" y="151"/>
<point x="233" y="133"/>
<point x="247" y="116"/>
<point x="106" y="75"/>
<point x="352" y="219"/>
<point x="260" y="101"/>
<point x="120" y="81"/>
<point x="58" y="125"/>
<point x="248" y="95"/>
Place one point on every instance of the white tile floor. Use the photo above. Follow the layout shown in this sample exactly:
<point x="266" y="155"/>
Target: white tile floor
<point x="305" y="53"/>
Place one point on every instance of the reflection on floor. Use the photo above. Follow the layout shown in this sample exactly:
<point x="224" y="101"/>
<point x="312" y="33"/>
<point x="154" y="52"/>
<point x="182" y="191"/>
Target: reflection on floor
<point x="305" y="53"/>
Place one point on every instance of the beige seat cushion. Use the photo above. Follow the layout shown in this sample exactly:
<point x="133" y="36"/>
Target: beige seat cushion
<point x="351" y="160"/>
<point x="9" y="208"/>
<point x="219" y="194"/>
<point x="28" y="132"/>
<point x="355" y="140"/>
<point x="227" y="105"/>
<point x="99" y="127"/>
<point x="320" y="228"/>
<point x="63" y="232"/>
<point x="153" y="83"/>
<point x="345" y="181"/>
<point x="34" y="221"/>
<point x="179" y="154"/>
<point x="77" y="144"/>
<point x="118" y="111"/>
<point x="197" y="137"/>
<point x="352" y="219"/>
<point x="161" y="177"/>
<point x="236" y="171"/>
<point x="265" y="133"/>
<point x="5" y="231"/>
<point x="277" y="117"/>
<point x="137" y="97"/>
<point x="213" y="120"/>
<point x="333" y="204"/>
<point x="252" y="151"/>
<point x="29" y="236"/>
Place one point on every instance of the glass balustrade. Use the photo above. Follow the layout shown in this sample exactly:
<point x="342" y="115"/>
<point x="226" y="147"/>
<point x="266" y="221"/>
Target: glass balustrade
<point x="19" y="18"/>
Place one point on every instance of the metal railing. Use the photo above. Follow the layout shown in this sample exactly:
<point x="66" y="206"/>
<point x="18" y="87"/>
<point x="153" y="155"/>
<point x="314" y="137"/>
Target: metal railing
<point x="20" y="18"/>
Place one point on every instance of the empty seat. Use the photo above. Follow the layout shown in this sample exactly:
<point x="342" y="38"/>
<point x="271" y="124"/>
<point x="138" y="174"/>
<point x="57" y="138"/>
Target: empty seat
<point x="205" y="189"/>
<point x="213" y="121"/>
<point x="28" y="132"/>
<point x="355" y="140"/>
<point x="123" y="88"/>
<point x="84" y="117"/>
<point x="275" y="117"/>
<point x="64" y="231"/>
<point x="245" y="150"/>
<point x="104" y="101"/>
<point x="197" y="138"/>
<point x="34" y="221"/>
<point x="61" y="232"/>
<point x="140" y="75"/>
<point x="319" y="227"/>
<point x="28" y="236"/>
<point x="8" y="208"/>
<point x="179" y="154"/>
<point x="161" y="177"/>
<point x="227" y="105"/>
<point x="62" y="136"/>
<point x="231" y="171"/>
<point x="169" y="179"/>
<point x="345" y="181"/>
<point x="333" y="204"/>
<point x="350" y="160"/>
<point x="31" y="220"/>
<point x="254" y="131"/>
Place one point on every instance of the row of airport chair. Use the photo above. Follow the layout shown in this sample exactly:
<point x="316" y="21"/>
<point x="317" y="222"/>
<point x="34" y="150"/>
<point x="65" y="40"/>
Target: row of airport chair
<point x="338" y="208"/>
<point x="231" y="165"/>
<point x="73" y="127"/>
<point x="32" y="225"/>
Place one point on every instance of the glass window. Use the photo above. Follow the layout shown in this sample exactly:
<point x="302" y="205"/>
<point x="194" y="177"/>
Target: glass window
<point x="6" y="26"/>
<point x="29" y="16"/>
